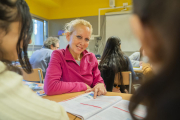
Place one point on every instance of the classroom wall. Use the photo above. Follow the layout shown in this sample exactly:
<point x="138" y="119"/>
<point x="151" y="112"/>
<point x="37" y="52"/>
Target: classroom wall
<point x="56" y="25"/>
<point x="83" y="8"/>
<point x="61" y="9"/>
<point x="59" y="12"/>
<point x="38" y="9"/>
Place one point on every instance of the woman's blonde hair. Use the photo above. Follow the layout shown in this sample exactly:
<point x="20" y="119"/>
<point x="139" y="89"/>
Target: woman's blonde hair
<point x="69" y="27"/>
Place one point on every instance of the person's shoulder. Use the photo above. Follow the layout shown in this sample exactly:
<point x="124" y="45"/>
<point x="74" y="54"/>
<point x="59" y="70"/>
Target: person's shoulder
<point x="126" y="58"/>
<point x="42" y="51"/>
<point x="10" y="79"/>
<point x="45" y="50"/>
<point x="136" y="53"/>
<point x="59" y="52"/>
<point x="91" y="55"/>
<point x="34" y="54"/>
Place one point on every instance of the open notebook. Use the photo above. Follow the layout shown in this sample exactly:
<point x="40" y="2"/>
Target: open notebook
<point x="38" y="87"/>
<point x="34" y="86"/>
<point x="101" y="108"/>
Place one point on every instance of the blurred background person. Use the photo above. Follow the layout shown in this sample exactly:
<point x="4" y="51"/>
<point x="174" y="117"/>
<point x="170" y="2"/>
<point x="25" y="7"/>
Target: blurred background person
<point x="156" y="23"/>
<point x="41" y="58"/>
<point x="136" y="58"/>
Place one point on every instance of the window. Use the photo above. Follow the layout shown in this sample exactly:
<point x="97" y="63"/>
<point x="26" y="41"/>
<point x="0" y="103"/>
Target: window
<point x="39" y="35"/>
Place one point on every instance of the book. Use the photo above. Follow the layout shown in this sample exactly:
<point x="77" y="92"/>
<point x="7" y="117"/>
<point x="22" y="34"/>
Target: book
<point x="37" y="87"/>
<point x="34" y="86"/>
<point x="101" y="108"/>
<point x="41" y="93"/>
<point x="137" y="68"/>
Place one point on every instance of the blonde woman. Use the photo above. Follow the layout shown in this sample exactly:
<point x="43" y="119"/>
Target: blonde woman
<point x="74" y="69"/>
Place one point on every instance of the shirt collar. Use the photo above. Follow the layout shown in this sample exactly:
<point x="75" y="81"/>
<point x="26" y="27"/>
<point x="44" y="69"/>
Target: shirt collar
<point x="68" y="55"/>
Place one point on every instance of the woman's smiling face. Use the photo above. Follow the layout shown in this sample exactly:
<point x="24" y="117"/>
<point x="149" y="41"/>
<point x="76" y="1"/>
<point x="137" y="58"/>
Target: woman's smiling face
<point x="79" y="39"/>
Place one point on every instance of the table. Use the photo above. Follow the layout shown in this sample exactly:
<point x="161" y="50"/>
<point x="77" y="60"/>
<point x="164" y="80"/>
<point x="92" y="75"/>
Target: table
<point x="59" y="98"/>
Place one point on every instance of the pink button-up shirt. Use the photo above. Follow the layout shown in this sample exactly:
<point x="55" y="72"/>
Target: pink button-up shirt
<point x="64" y="75"/>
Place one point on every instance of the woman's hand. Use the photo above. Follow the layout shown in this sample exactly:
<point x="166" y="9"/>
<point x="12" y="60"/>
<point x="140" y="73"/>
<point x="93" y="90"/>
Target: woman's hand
<point x="99" y="89"/>
<point x="140" y="63"/>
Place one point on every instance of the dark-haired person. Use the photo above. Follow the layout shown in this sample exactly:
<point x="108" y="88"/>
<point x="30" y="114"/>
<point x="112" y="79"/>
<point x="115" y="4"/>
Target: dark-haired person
<point x="156" y="23"/>
<point x="18" y="102"/>
<point x="41" y="58"/>
<point x="113" y="61"/>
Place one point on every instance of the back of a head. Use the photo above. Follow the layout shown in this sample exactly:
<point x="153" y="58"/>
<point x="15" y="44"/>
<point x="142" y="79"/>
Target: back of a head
<point x="162" y="16"/>
<point x="8" y="11"/>
<point x="112" y="56"/>
<point x="161" y="93"/>
<point x="17" y="11"/>
<point x="51" y="41"/>
<point x="113" y="43"/>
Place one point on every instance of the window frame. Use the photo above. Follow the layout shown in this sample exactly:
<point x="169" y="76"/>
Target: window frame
<point x="32" y="48"/>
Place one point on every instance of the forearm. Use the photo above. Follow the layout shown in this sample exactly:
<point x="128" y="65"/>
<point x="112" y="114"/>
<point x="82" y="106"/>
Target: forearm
<point x="55" y="87"/>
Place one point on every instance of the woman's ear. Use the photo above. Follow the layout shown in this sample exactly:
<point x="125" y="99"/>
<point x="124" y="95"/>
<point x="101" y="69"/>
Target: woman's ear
<point x="68" y="36"/>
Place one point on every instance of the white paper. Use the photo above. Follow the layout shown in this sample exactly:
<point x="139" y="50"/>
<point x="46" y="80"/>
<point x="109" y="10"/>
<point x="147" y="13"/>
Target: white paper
<point x="119" y="111"/>
<point x="86" y="106"/>
<point x="137" y="68"/>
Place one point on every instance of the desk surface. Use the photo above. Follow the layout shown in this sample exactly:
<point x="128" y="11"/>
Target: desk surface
<point x="59" y="98"/>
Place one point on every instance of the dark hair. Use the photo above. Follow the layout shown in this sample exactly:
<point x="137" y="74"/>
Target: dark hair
<point x="113" y="58"/>
<point x="161" y="93"/>
<point x="12" y="10"/>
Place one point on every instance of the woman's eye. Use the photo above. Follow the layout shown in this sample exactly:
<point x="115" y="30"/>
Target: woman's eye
<point x="79" y="37"/>
<point x="87" y="39"/>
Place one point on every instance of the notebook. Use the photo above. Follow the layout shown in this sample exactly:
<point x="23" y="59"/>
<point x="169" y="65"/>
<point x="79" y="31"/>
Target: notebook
<point x="137" y="68"/>
<point x="101" y="108"/>
<point x="34" y="86"/>
<point x="41" y="93"/>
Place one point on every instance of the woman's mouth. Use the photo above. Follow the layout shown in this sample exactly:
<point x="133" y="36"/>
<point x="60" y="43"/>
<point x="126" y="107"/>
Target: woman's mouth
<point x="79" y="48"/>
